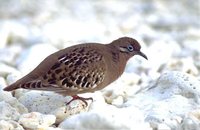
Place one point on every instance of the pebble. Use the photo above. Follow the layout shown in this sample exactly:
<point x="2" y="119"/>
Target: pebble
<point x="191" y="121"/>
<point x="12" y="102"/>
<point x="180" y="83"/>
<point x="108" y="117"/>
<point x="10" y="125"/>
<point x="36" y="121"/>
<point x="7" y="112"/>
<point x="48" y="102"/>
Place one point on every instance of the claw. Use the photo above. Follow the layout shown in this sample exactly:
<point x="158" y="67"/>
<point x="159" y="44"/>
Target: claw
<point x="76" y="97"/>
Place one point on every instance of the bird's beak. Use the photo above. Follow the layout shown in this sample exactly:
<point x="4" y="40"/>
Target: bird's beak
<point x="141" y="54"/>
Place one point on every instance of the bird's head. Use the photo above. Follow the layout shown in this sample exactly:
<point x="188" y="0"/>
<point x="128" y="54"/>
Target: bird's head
<point x="128" y="47"/>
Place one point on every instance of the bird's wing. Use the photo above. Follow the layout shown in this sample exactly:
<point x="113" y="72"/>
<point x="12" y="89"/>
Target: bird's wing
<point x="78" y="70"/>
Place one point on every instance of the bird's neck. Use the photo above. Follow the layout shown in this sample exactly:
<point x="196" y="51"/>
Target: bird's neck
<point x="118" y="62"/>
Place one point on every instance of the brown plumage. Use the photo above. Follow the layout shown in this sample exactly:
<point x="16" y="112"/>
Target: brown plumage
<point x="81" y="68"/>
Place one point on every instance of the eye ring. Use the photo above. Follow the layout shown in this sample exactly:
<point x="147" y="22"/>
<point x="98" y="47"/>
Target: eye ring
<point x="130" y="48"/>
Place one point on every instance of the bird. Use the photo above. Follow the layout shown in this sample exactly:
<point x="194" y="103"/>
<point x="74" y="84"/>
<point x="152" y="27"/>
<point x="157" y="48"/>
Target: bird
<point x="82" y="68"/>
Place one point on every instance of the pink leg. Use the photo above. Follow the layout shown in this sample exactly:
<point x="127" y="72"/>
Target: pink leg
<point x="76" y="97"/>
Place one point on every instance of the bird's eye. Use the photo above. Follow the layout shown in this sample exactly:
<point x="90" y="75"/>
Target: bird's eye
<point x="130" y="48"/>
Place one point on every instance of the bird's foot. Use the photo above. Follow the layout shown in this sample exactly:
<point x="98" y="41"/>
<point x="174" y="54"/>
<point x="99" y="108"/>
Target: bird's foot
<point x="76" y="97"/>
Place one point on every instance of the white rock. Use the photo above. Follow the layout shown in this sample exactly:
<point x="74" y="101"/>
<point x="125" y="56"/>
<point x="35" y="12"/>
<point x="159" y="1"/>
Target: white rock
<point x="6" y="69"/>
<point x="191" y="121"/>
<point x="118" y="101"/>
<point x="160" y="113"/>
<point x="10" y="125"/>
<point x="149" y="32"/>
<point x="64" y="112"/>
<point x="75" y="107"/>
<point x="186" y="64"/>
<point x="7" y="112"/>
<point x="12" y="101"/>
<point x="53" y="128"/>
<point x="108" y="117"/>
<point x="171" y="83"/>
<point x="63" y="30"/>
<point x="16" y="30"/>
<point x="12" y="77"/>
<point x="124" y="87"/>
<point x="19" y="93"/>
<point x="98" y="103"/>
<point x="30" y="58"/>
<point x="21" y="32"/>
<point x="173" y="88"/>
<point x="4" y="34"/>
<point x="193" y="33"/>
<point x="43" y="102"/>
<point x="47" y="102"/>
<point x="160" y="52"/>
<point x="8" y="54"/>
<point x="192" y="46"/>
<point x="163" y="127"/>
<point x="129" y="79"/>
<point x="2" y="83"/>
<point x="35" y="120"/>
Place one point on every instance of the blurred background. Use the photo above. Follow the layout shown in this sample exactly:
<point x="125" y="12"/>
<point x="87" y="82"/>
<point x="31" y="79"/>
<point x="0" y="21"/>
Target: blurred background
<point x="167" y="29"/>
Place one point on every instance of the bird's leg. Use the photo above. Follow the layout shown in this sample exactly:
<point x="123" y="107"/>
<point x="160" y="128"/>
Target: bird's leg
<point x="76" y="97"/>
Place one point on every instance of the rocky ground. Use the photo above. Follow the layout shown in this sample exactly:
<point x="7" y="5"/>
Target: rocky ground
<point x="162" y="93"/>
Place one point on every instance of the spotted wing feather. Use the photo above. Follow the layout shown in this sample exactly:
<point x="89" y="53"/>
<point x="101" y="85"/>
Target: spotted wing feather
<point x="76" y="71"/>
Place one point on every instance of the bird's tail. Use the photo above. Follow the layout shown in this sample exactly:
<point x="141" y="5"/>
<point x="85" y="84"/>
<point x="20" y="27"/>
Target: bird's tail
<point x="12" y="87"/>
<point x="18" y="83"/>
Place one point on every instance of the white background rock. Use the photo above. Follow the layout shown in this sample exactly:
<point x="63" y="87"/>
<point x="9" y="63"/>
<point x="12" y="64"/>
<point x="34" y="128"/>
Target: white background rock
<point x="42" y="102"/>
<point x="108" y="117"/>
<point x="35" y="120"/>
<point x="7" y="112"/>
<point x="6" y="69"/>
<point x="191" y="120"/>
<point x="13" y="77"/>
<point x="185" y="64"/>
<point x="8" y="54"/>
<point x="13" y="102"/>
<point x="171" y="96"/>
<point x="30" y="58"/>
<point x="2" y="83"/>
<point x="10" y="125"/>
<point x="51" y="103"/>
